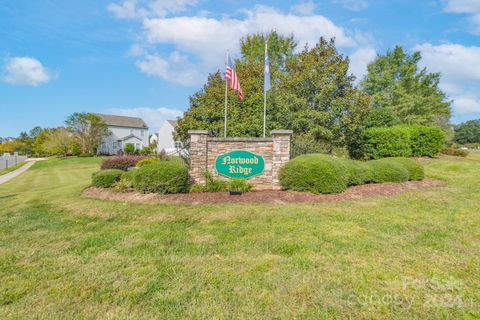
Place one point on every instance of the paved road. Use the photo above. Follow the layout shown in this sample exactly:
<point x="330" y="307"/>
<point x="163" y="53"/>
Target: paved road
<point x="6" y="177"/>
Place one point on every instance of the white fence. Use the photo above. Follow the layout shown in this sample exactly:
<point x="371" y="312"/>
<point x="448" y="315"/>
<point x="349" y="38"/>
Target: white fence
<point x="8" y="160"/>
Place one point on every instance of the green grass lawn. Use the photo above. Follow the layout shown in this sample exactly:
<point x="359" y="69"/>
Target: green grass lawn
<point x="411" y="256"/>
<point x="12" y="168"/>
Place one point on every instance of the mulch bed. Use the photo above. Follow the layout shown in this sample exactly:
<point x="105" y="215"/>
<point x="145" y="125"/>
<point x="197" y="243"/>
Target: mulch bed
<point x="264" y="196"/>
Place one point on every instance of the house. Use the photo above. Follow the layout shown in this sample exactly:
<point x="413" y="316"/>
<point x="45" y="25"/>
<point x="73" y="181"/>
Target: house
<point x="124" y="130"/>
<point x="166" y="141"/>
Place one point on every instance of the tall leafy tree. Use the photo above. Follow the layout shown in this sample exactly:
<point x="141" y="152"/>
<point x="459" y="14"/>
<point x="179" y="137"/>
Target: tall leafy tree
<point x="395" y="81"/>
<point x="468" y="132"/>
<point x="312" y="93"/>
<point x="321" y="101"/>
<point x="281" y="48"/>
<point x="89" y="130"/>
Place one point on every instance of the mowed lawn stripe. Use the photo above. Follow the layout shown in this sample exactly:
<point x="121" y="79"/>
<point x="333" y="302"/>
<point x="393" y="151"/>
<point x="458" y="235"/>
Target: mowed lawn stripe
<point x="63" y="256"/>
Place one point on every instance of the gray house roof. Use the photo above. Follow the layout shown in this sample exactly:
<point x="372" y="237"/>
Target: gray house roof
<point x="122" y="121"/>
<point x="173" y="123"/>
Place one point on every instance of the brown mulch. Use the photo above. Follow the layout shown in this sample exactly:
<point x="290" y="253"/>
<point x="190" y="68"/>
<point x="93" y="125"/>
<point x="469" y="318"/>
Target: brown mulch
<point x="264" y="196"/>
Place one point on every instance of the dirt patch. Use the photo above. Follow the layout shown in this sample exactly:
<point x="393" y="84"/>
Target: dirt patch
<point x="264" y="196"/>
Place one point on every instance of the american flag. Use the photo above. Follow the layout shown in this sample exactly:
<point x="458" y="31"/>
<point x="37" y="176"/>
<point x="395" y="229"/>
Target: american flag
<point x="231" y="75"/>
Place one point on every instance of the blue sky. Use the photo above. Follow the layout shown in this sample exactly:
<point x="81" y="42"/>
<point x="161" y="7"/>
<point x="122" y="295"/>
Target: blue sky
<point x="146" y="57"/>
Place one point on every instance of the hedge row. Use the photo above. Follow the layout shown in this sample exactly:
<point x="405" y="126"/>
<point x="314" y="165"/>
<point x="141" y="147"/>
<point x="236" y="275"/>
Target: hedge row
<point x="402" y="141"/>
<point x="320" y="173"/>
<point x="158" y="176"/>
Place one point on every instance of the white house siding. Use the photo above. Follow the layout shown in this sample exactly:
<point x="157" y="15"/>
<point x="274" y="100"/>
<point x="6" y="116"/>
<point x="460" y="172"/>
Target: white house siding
<point x="165" y="139"/>
<point x="116" y="141"/>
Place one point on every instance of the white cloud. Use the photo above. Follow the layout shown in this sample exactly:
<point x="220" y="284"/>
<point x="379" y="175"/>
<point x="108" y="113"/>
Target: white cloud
<point x="154" y="117"/>
<point x="354" y="5"/>
<point x="359" y="61"/>
<point x="470" y="7"/>
<point x="305" y="8"/>
<point x="131" y="9"/>
<point x="460" y="76"/>
<point x="25" y="71"/>
<point x="175" y="68"/>
<point x="207" y="39"/>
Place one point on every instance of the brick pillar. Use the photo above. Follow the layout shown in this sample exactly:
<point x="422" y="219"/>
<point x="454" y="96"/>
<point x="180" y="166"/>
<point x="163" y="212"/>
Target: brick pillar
<point x="198" y="154"/>
<point x="281" y="153"/>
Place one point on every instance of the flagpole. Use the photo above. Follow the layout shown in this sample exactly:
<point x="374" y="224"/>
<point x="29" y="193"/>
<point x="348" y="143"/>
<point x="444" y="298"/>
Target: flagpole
<point x="226" y="98"/>
<point x="264" y="99"/>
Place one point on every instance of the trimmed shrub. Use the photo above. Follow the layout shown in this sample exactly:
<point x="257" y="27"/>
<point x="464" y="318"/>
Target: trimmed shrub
<point x="129" y="148"/>
<point x="145" y="151"/>
<point x="386" y="170"/>
<point x="425" y="141"/>
<point x="386" y="142"/>
<point x="451" y="151"/>
<point x="144" y="162"/>
<point x="161" y="177"/>
<point x="176" y="159"/>
<point x="106" y="178"/>
<point x="415" y="169"/>
<point x="121" y="162"/>
<point x="357" y="173"/>
<point x="315" y="173"/>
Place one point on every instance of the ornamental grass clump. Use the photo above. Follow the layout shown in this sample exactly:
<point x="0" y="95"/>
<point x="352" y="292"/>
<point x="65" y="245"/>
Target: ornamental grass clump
<point x="316" y="173"/>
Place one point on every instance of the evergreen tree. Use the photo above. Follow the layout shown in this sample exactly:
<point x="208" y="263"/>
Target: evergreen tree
<point x="395" y="81"/>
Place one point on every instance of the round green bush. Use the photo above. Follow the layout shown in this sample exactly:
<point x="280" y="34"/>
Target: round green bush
<point x="387" y="170"/>
<point x="357" y="173"/>
<point x="162" y="177"/>
<point x="144" y="162"/>
<point x="315" y="173"/>
<point x="106" y="178"/>
<point x="415" y="169"/>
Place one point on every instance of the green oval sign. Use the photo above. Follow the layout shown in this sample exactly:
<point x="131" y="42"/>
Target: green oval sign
<point x="239" y="164"/>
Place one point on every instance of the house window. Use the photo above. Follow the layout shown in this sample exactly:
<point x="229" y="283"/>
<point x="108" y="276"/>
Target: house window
<point x="178" y="145"/>
<point x="131" y="131"/>
<point x="137" y="146"/>
<point x="142" y="132"/>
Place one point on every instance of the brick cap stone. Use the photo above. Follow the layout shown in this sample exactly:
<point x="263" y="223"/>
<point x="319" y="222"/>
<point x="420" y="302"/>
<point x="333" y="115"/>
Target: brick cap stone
<point x="240" y="139"/>
<point x="190" y="132"/>
<point x="281" y="131"/>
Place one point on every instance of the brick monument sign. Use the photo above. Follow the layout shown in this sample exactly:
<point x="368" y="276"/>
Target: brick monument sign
<point x="256" y="159"/>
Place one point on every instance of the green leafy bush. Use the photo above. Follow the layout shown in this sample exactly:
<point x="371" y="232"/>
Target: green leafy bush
<point x="162" y="177"/>
<point x="386" y="142"/>
<point x="451" y="151"/>
<point x="196" y="188"/>
<point x="401" y="141"/>
<point x="239" y="184"/>
<point x="357" y="173"/>
<point x="145" y="151"/>
<point x="315" y="173"/>
<point x="425" y="141"/>
<point x="106" y="178"/>
<point x="126" y="181"/>
<point x="415" y="169"/>
<point x="144" y="162"/>
<point x="129" y="148"/>
<point x="213" y="185"/>
<point x="387" y="170"/>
